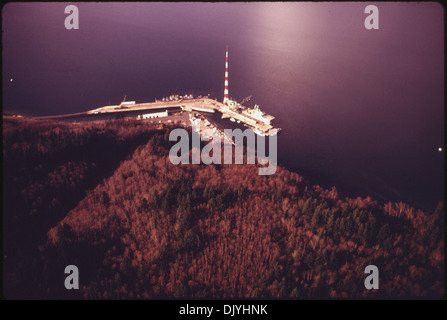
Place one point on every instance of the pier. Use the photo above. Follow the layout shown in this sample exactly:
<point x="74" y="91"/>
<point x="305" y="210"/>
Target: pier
<point x="255" y="119"/>
<point x="199" y="105"/>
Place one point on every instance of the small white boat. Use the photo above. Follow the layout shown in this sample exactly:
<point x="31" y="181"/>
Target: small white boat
<point x="232" y="120"/>
<point x="259" y="132"/>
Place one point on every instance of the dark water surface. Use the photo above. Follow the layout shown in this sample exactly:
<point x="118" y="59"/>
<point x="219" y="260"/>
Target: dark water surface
<point x="360" y="109"/>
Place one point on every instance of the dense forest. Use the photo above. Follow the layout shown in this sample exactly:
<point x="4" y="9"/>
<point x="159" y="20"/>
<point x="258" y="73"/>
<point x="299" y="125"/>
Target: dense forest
<point x="105" y="197"/>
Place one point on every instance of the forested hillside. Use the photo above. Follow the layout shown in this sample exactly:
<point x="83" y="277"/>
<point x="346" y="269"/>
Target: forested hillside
<point x="47" y="168"/>
<point x="106" y="198"/>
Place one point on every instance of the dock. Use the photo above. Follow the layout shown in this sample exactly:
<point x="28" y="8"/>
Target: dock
<point x="199" y="105"/>
<point x="255" y="119"/>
